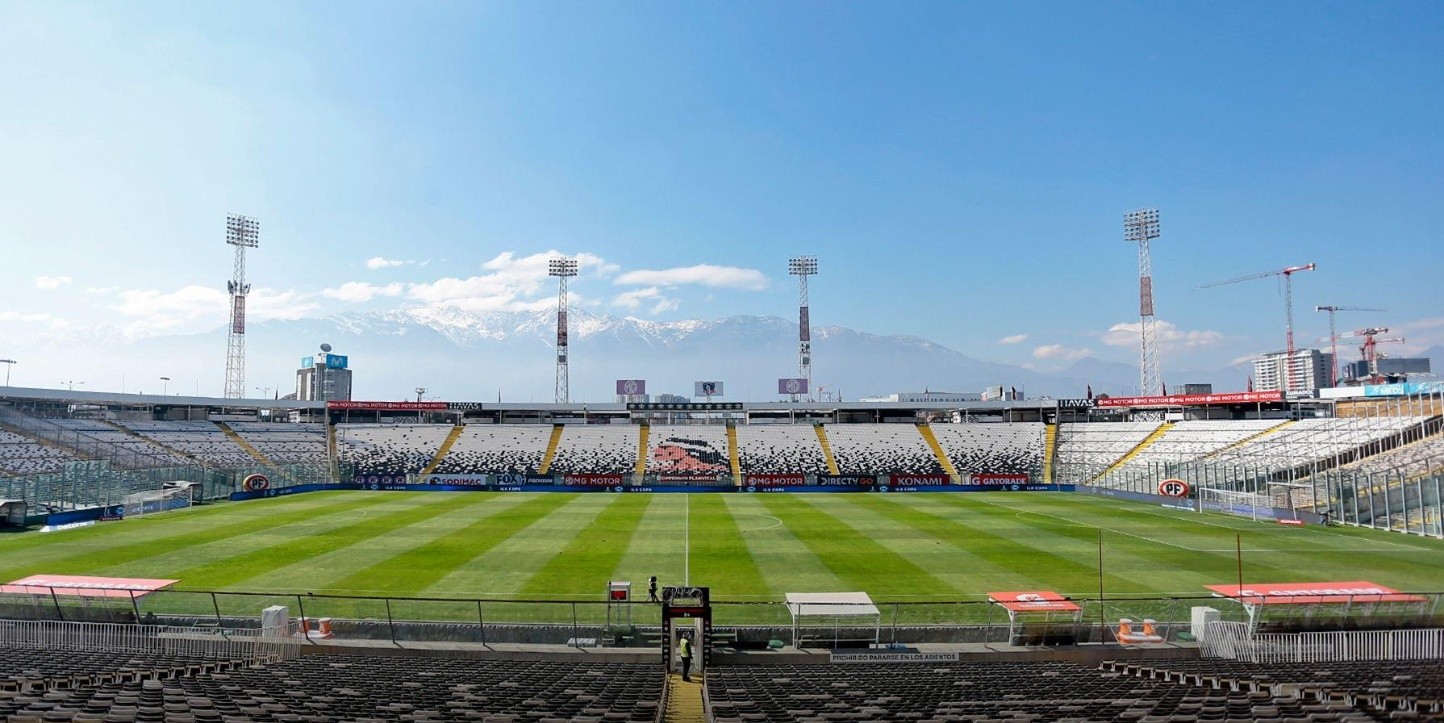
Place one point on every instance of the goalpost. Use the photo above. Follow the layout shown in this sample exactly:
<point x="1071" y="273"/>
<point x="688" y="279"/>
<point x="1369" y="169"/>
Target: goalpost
<point x="139" y="504"/>
<point x="1272" y="505"/>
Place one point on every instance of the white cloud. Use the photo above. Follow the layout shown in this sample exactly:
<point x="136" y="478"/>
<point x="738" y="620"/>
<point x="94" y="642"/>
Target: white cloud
<point x="1431" y="323"/>
<point x="512" y="284"/>
<point x="728" y="277"/>
<point x="1169" y="336"/>
<point x="52" y="282"/>
<point x="155" y="311"/>
<point x="1014" y="339"/>
<point x="378" y="262"/>
<point x="360" y="291"/>
<point x="633" y="299"/>
<point x="1060" y="352"/>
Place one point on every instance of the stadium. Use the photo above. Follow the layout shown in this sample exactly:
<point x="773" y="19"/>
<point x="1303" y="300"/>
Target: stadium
<point x="1106" y="549"/>
<point x="564" y="204"/>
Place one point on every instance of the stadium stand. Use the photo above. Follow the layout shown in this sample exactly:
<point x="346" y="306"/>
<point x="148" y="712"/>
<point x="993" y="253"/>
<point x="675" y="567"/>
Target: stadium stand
<point x="390" y="448"/>
<point x="780" y="449"/>
<point x="1015" y="448"/>
<point x="1086" y="450"/>
<point x="516" y="448"/>
<point x="1416" y="458"/>
<point x="200" y="440"/>
<point x="1191" y="439"/>
<point x="131" y="446"/>
<point x="881" y="448"/>
<point x="985" y="692"/>
<point x="1303" y="443"/>
<point x="687" y="449"/>
<point x="1387" y="689"/>
<point x="285" y="443"/>
<point x="20" y="455"/>
<point x="324" y="688"/>
<point x="596" y="449"/>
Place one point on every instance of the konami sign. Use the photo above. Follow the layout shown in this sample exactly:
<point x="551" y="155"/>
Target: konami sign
<point x="1193" y="400"/>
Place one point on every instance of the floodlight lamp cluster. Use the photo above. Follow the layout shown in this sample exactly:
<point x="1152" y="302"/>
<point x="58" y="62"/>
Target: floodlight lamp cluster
<point x="562" y="267"/>
<point x="242" y="231"/>
<point x="802" y="265"/>
<point x="1140" y="225"/>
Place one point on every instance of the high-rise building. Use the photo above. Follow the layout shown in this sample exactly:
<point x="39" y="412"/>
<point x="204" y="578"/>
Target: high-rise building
<point x="1310" y="371"/>
<point x="324" y="377"/>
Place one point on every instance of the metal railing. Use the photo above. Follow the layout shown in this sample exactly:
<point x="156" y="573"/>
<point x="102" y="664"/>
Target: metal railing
<point x="1232" y="640"/>
<point x="241" y="645"/>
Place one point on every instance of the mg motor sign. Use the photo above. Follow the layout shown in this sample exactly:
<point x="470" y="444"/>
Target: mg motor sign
<point x="776" y="480"/>
<point x="1173" y="487"/>
<point x="585" y="480"/>
<point x="1193" y="400"/>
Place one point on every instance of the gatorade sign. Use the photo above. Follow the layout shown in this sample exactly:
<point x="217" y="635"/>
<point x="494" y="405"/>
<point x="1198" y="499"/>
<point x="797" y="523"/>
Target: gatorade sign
<point x="1173" y="487"/>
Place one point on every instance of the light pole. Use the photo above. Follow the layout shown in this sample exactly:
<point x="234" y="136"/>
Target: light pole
<point x="8" y="363"/>
<point x="165" y="386"/>
<point x="265" y="391"/>
<point x="71" y="385"/>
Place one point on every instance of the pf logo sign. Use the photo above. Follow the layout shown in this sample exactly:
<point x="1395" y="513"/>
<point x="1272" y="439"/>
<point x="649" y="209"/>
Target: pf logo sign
<point x="1173" y="488"/>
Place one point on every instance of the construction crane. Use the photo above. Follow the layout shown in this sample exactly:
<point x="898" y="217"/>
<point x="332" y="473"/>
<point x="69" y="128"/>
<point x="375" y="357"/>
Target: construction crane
<point x="1334" y="335"/>
<point x="1288" y="275"/>
<point x="1370" y="354"/>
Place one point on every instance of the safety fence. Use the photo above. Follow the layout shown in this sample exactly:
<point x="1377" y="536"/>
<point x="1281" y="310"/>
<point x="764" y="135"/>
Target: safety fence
<point x="1233" y="640"/>
<point x="634" y="623"/>
<point x="252" y="645"/>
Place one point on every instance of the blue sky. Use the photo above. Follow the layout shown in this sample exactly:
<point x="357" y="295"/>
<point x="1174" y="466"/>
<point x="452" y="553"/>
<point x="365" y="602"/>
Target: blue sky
<point x="960" y="169"/>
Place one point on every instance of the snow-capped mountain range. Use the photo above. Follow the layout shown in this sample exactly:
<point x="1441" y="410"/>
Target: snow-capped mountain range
<point x="477" y="356"/>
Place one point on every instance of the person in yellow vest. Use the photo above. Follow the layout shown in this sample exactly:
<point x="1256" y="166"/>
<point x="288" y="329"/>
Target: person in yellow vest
<point x="684" y="652"/>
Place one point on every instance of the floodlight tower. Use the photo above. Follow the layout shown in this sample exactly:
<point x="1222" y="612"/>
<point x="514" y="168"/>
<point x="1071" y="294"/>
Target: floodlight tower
<point x="803" y="267"/>
<point x="562" y="268"/>
<point x="243" y="232"/>
<point x="1142" y="226"/>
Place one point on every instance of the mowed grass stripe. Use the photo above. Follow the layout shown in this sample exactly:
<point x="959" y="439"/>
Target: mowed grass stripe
<point x="1039" y="559"/>
<point x="853" y="557"/>
<point x="719" y="549"/>
<point x="519" y="546"/>
<point x="921" y="547"/>
<point x="982" y="572"/>
<point x="1145" y="559"/>
<point x="419" y="568"/>
<point x="344" y="571"/>
<point x="100" y="552"/>
<point x="238" y="567"/>
<point x="585" y="566"/>
<point x="784" y="560"/>
<point x="656" y="545"/>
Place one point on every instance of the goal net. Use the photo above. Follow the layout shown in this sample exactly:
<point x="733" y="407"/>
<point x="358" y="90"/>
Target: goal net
<point x="139" y="504"/>
<point x="1252" y="505"/>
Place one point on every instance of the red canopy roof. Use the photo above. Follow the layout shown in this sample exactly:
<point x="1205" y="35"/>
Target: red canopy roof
<point x="86" y="586"/>
<point x="1036" y="601"/>
<point x="1302" y="593"/>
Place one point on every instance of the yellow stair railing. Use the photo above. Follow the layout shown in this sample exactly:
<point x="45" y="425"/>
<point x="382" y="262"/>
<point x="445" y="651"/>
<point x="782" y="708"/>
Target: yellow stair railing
<point x="926" y="431"/>
<point x="556" y="439"/>
<point x="1150" y="439"/>
<point x="1050" y="447"/>
<point x="444" y="449"/>
<point x="643" y="436"/>
<point x="734" y="456"/>
<point x="249" y="448"/>
<point x="826" y="449"/>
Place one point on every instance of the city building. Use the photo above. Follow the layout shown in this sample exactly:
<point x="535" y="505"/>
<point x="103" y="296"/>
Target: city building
<point x="323" y="377"/>
<point x="1310" y="369"/>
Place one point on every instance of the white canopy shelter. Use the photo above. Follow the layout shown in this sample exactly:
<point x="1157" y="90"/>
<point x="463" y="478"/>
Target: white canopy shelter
<point x="841" y="617"/>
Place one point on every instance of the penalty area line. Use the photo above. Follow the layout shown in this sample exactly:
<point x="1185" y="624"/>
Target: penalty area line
<point x="1109" y="529"/>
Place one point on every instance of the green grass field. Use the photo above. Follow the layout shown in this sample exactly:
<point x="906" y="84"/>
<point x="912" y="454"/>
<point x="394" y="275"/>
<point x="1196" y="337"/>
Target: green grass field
<point x="746" y="547"/>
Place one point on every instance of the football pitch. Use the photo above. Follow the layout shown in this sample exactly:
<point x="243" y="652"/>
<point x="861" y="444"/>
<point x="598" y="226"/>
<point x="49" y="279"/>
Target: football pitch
<point x="919" y="547"/>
